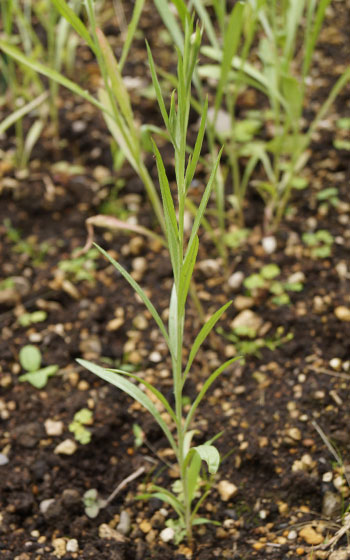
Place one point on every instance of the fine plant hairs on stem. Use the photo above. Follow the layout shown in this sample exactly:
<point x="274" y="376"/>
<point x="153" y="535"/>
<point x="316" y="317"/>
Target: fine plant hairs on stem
<point x="192" y="488"/>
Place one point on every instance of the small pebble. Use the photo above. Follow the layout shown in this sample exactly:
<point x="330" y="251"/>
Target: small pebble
<point x="124" y="523"/>
<point x="167" y="534"/>
<point x="66" y="447"/>
<point x="3" y="459"/>
<point x="236" y="280"/>
<point x="145" y="526"/>
<point x="53" y="428"/>
<point x="309" y="535"/>
<point x="227" y="490"/>
<point x="342" y="313"/>
<point x="60" y="547"/>
<point x="269" y="244"/>
<point x="106" y="532"/>
<point x="72" y="545"/>
<point x="336" y="364"/>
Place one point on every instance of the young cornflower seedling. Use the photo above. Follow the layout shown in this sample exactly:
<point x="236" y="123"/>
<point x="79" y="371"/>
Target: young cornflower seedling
<point x="185" y="499"/>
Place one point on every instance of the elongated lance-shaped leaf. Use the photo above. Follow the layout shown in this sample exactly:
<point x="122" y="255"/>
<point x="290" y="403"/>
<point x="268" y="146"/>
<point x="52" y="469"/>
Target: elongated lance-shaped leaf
<point x="120" y="131"/>
<point x="231" y="42"/>
<point x="118" y="87"/>
<point x="175" y="324"/>
<point x="187" y="272"/>
<point x="193" y="476"/>
<point x="202" y="335"/>
<point x="19" y="113"/>
<point x="139" y="291"/>
<point x="312" y="32"/>
<point x="170" y="22"/>
<point x="181" y="10"/>
<point x="187" y="441"/>
<point x="66" y="11"/>
<point x="168" y="497"/>
<point x="204" y="201"/>
<point x="192" y="164"/>
<point x="151" y="388"/>
<point x="132" y="27"/>
<point x="133" y="391"/>
<point x="293" y="18"/>
<point x="51" y="74"/>
<point x="206" y="20"/>
<point x="157" y="89"/>
<point x="205" y="388"/>
<point x="169" y="215"/>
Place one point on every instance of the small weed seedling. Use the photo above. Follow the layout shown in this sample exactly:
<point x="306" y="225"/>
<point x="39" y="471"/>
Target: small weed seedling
<point x="248" y="343"/>
<point x="183" y="254"/>
<point x="78" y="269"/>
<point x="81" y="419"/>
<point x="327" y="198"/>
<point x="30" y="360"/>
<point x="27" y="319"/>
<point x="343" y="127"/>
<point x="34" y="251"/>
<point x="320" y="243"/>
<point x="266" y="281"/>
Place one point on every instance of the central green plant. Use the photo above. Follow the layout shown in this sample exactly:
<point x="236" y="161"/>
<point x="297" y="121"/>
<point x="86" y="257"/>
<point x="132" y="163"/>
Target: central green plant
<point x="178" y="431"/>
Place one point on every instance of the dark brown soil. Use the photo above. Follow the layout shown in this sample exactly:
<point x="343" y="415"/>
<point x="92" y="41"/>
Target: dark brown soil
<point x="266" y="407"/>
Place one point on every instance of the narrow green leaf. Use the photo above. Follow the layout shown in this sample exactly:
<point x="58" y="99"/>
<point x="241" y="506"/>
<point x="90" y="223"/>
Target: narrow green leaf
<point x="167" y="497"/>
<point x="132" y="27"/>
<point x="50" y="73"/>
<point x="205" y="388"/>
<point x="204" y="201"/>
<point x="118" y="130"/>
<point x="193" y="475"/>
<point x="133" y="391"/>
<point x="311" y="35"/>
<point x="187" y="272"/>
<point x="118" y="87"/>
<point x="231" y="42"/>
<point x="192" y="164"/>
<point x="169" y="214"/>
<point x="22" y="111"/>
<point x="206" y="21"/>
<point x="66" y="11"/>
<point x="158" y="90"/>
<point x="202" y="335"/>
<point x="151" y="388"/>
<point x="170" y="23"/>
<point x="139" y="291"/>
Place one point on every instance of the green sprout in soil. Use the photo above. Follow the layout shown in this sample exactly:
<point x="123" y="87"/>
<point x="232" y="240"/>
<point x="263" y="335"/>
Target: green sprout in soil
<point x="266" y="280"/>
<point x="27" y="319"/>
<point x="30" y="359"/>
<point x="327" y="198"/>
<point x="247" y="342"/>
<point x="78" y="269"/>
<point x="81" y="419"/>
<point x="342" y="142"/>
<point x="34" y="251"/>
<point x="320" y="243"/>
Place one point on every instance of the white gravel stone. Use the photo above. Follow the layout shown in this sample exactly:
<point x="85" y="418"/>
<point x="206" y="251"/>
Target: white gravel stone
<point x="236" y="280"/>
<point x="53" y="427"/>
<point x="269" y="244"/>
<point x="167" y="534"/>
<point x="72" y="545"/>
<point x="66" y="447"/>
<point x="227" y="490"/>
<point x="247" y="318"/>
